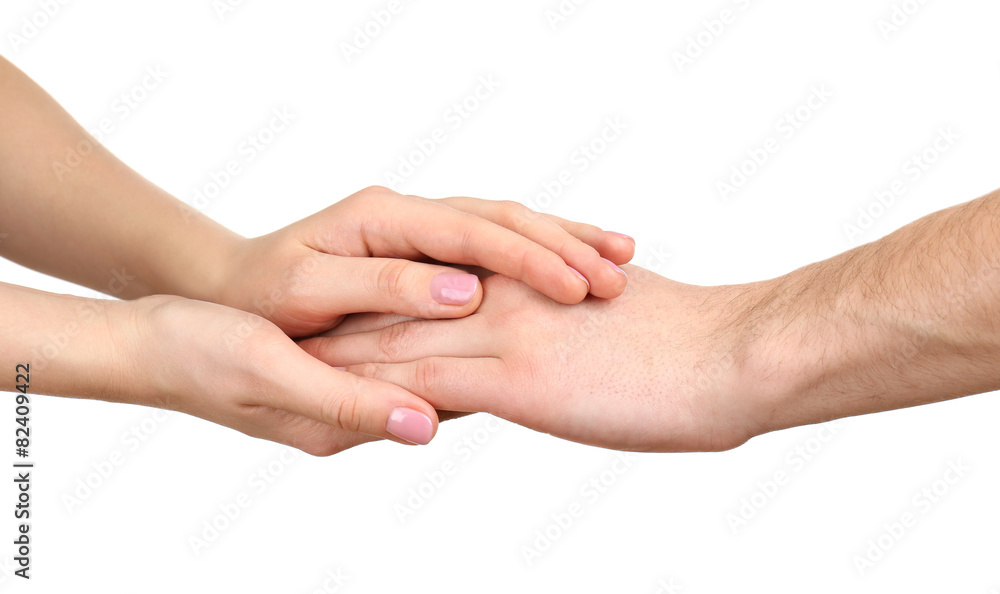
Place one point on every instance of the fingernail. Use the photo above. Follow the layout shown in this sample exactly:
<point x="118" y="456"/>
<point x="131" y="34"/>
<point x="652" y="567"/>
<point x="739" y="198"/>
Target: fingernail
<point x="454" y="289"/>
<point x="628" y="237"/>
<point x="410" y="425"/>
<point x="613" y="265"/>
<point x="577" y="272"/>
<point x="340" y="368"/>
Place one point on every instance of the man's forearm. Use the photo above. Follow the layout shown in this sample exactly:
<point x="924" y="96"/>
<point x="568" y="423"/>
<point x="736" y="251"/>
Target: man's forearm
<point x="98" y="224"/>
<point x="910" y="319"/>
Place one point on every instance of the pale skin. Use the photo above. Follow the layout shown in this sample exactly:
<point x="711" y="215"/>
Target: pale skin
<point x="910" y="319"/>
<point x="209" y="319"/>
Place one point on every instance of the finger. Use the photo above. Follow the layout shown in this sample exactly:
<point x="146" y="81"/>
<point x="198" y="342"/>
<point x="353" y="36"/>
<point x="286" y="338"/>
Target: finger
<point x="617" y="247"/>
<point x="365" y="322"/>
<point x="461" y="385"/>
<point x="346" y="401"/>
<point x="297" y="431"/>
<point x="406" y="341"/>
<point x="412" y="289"/>
<point x="446" y="234"/>
<point x="604" y="277"/>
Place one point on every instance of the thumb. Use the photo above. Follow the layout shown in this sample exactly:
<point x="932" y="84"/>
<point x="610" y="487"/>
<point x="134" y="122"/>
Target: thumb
<point x="412" y="289"/>
<point x="340" y="399"/>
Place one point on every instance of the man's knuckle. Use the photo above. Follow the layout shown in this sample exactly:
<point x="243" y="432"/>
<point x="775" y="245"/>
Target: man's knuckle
<point x="391" y="342"/>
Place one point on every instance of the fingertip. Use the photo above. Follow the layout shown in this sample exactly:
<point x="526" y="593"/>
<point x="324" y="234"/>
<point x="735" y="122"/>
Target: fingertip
<point x="455" y="295"/>
<point x="609" y="280"/>
<point x="574" y="288"/>
<point x="412" y="426"/>
<point x="618" y="247"/>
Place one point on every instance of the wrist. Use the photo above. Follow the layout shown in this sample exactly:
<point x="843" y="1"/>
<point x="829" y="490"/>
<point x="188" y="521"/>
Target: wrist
<point x="68" y="342"/>
<point x="811" y="340"/>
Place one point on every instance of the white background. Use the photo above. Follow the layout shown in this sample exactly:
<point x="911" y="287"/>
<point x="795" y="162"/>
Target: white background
<point x="664" y="525"/>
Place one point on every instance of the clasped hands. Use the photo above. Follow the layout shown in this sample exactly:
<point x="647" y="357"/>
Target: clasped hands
<point x="345" y="327"/>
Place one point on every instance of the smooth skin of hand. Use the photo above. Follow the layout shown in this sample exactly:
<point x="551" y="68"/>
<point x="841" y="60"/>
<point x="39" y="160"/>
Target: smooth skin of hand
<point x="910" y="319"/>
<point x="94" y="221"/>
<point x="98" y="223"/>
<point x="358" y="256"/>
<point x="211" y="361"/>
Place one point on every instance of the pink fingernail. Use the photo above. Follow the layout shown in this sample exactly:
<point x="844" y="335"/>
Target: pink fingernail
<point x="628" y="237"/>
<point x="340" y="368"/>
<point x="410" y="425"/>
<point x="615" y="266"/>
<point x="454" y="289"/>
<point x="577" y="272"/>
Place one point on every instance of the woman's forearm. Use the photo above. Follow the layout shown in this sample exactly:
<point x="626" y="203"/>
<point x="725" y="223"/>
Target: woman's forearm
<point x="910" y="319"/>
<point x="99" y="223"/>
<point x="69" y="343"/>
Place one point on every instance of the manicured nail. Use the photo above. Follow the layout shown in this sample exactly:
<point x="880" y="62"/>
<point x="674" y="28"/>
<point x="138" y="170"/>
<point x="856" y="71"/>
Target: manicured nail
<point x="622" y="235"/>
<point x="577" y="272"/>
<point x="410" y="425"/>
<point x="613" y="265"/>
<point x="454" y="289"/>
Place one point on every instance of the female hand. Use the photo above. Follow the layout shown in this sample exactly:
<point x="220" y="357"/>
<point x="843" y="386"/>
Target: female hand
<point x="359" y="255"/>
<point x="240" y="370"/>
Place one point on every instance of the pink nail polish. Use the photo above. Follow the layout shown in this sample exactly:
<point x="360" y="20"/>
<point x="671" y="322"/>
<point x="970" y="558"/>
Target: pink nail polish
<point x="577" y="272"/>
<point x="410" y="425"/>
<point x="622" y="235"/>
<point x="454" y="289"/>
<point x="615" y="266"/>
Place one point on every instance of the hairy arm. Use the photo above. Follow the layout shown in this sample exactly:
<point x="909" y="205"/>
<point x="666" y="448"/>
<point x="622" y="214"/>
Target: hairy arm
<point x="909" y="319"/>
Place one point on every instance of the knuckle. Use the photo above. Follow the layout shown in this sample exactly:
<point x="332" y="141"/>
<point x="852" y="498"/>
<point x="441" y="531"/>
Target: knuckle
<point x="376" y="192"/>
<point x="391" y="342"/>
<point x="390" y="281"/>
<point x="341" y="410"/>
<point x="427" y="376"/>
<point x="368" y="370"/>
<point x="513" y="214"/>
<point x="348" y="414"/>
